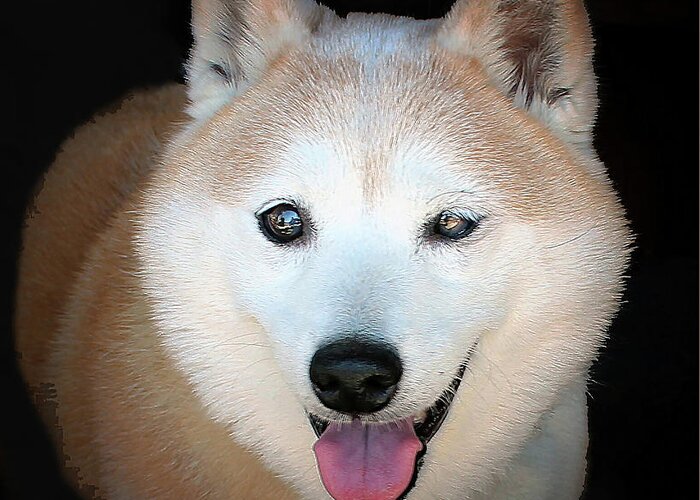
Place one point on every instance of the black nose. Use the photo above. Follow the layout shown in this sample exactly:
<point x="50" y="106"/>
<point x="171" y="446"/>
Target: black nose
<point x="355" y="377"/>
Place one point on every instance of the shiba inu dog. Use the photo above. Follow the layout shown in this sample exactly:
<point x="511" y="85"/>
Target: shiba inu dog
<point x="366" y="257"/>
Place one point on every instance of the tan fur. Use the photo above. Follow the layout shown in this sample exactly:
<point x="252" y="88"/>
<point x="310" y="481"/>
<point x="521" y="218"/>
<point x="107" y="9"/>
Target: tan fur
<point x="82" y="190"/>
<point x="77" y="239"/>
<point x="95" y="275"/>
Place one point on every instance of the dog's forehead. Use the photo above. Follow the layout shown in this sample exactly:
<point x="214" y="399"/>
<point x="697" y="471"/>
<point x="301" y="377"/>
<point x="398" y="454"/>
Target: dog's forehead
<point x="380" y="117"/>
<point x="373" y="104"/>
<point x="368" y="73"/>
<point x="369" y="36"/>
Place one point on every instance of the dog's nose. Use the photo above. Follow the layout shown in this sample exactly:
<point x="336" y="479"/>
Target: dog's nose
<point x="355" y="377"/>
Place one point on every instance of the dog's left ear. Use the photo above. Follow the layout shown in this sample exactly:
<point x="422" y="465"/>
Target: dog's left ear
<point x="538" y="52"/>
<point x="235" y="41"/>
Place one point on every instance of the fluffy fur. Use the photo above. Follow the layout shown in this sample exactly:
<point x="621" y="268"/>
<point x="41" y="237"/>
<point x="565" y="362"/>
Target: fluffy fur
<point x="168" y="342"/>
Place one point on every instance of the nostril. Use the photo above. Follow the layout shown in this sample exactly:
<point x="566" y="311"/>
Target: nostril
<point x="332" y="384"/>
<point x="325" y="390"/>
<point x="324" y="382"/>
<point x="378" y="382"/>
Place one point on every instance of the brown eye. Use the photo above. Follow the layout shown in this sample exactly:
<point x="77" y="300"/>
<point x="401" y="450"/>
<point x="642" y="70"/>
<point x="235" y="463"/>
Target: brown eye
<point x="455" y="225"/>
<point x="282" y="223"/>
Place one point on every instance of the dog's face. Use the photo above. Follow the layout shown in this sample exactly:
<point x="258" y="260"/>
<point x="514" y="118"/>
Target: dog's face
<point x="361" y="216"/>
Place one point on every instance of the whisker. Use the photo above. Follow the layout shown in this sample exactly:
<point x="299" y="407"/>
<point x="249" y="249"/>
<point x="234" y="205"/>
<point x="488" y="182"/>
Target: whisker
<point x="575" y="238"/>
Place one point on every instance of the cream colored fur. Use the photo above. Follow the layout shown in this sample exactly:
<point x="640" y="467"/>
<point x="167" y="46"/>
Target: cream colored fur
<point x="167" y="342"/>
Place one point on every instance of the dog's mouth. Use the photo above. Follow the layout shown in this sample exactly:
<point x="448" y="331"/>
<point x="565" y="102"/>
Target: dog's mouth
<point x="378" y="460"/>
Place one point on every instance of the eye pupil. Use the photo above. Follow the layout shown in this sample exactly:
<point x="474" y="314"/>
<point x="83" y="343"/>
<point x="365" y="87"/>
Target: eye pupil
<point x="285" y="222"/>
<point x="454" y="225"/>
<point x="282" y="223"/>
<point x="449" y="221"/>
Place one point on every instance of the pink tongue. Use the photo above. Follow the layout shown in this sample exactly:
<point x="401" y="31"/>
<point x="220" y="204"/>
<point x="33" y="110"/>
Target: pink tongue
<point x="367" y="462"/>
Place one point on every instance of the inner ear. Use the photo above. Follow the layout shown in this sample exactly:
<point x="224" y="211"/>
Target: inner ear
<point x="223" y="71"/>
<point x="532" y="43"/>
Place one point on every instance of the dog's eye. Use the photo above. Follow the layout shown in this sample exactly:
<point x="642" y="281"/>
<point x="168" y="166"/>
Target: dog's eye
<point x="455" y="225"/>
<point x="282" y="223"/>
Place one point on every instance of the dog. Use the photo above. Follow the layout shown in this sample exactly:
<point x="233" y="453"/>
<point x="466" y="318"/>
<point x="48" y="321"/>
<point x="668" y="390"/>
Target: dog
<point x="362" y="258"/>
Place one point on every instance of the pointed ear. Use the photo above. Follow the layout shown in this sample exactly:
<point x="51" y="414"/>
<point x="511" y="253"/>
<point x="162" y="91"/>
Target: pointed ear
<point x="234" y="41"/>
<point x="538" y="52"/>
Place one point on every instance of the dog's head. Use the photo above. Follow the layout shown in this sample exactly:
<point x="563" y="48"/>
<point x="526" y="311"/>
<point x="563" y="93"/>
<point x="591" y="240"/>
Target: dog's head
<point x="365" y="212"/>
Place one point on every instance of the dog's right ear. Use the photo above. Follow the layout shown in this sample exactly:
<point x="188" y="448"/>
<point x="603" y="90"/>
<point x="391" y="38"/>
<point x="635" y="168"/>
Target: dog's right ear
<point x="234" y="40"/>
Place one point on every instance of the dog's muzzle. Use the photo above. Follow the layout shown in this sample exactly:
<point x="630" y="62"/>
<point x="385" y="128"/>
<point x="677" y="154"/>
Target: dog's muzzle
<point x="361" y="459"/>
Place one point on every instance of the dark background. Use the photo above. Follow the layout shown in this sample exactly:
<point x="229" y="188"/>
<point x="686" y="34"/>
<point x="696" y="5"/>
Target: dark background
<point x="74" y="57"/>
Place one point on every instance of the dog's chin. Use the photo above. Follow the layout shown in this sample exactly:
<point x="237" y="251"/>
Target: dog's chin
<point x="426" y="424"/>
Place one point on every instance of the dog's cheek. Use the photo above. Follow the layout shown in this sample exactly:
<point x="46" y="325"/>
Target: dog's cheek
<point x="292" y="309"/>
<point x="453" y="300"/>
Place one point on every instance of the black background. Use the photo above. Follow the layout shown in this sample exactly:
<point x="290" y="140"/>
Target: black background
<point x="74" y="57"/>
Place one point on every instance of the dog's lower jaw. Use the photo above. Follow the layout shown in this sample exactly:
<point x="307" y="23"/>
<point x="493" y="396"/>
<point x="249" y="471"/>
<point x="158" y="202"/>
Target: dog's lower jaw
<point x="551" y="465"/>
<point x="556" y="450"/>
